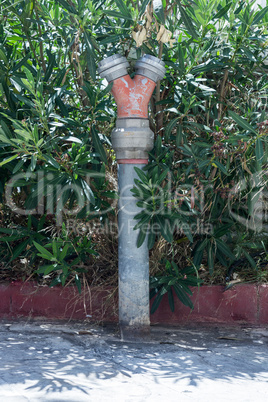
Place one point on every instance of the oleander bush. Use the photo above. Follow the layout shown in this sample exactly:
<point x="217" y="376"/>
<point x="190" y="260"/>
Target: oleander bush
<point x="203" y="195"/>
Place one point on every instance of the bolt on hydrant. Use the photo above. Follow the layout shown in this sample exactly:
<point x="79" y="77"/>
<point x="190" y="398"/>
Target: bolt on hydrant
<point x="132" y="139"/>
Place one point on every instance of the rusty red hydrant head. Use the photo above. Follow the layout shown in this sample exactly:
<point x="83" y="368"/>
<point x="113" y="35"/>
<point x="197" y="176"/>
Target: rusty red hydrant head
<point x="132" y="96"/>
<point x="132" y="137"/>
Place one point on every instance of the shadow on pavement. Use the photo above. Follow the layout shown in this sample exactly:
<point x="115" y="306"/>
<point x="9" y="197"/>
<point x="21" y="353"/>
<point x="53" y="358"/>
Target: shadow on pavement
<point x="53" y="364"/>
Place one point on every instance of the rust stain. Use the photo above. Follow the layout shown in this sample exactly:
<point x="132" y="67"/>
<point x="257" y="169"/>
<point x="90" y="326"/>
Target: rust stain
<point x="132" y="96"/>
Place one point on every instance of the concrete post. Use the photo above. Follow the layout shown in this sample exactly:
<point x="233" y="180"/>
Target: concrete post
<point x="133" y="262"/>
<point x="132" y="139"/>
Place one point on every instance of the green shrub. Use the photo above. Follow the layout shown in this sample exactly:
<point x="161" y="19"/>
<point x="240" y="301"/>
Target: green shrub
<point x="206" y="180"/>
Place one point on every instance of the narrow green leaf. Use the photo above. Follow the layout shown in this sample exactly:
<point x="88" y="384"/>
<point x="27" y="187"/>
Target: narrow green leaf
<point x="21" y="63"/>
<point x="143" y="6"/>
<point x="18" y="166"/>
<point x="198" y="256"/>
<point x="90" y="56"/>
<point x="259" y="151"/>
<point x="142" y="175"/>
<point x="159" y="11"/>
<point x="241" y="122"/>
<point x="19" y="249"/>
<point x="88" y="192"/>
<point x="222" y="11"/>
<point x="7" y="231"/>
<point x="187" y="232"/>
<point x="220" y="166"/>
<point x="141" y="237"/>
<point x="179" y="136"/>
<point x="98" y="145"/>
<point x="165" y="228"/>
<point x="250" y="259"/>
<point x="151" y="239"/>
<point x="115" y="14"/>
<point x="7" y="91"/>
<point x="35" y="133"/>
<point x="11" y="238"/>
<point x="62" y="107"/>
<point x="110" y="194"/>
<point x="170" y="127"/>
<point x="175" y="267"/>
<point x="259" y="15"/>
<point x="187" y="290"/>
<point x="123" y="8"/>
<point x="29" y="223"/>
<point x="52" y="161"/>
<point x="237" y="11"/>
<point x="248" y="53"/>
<point x="7" y="160"/>
<point x="50" y="66"/>
<point x="145" y="219"/>
<point x="162" y="176"/>
<point x="68" y="7"/>
<point x="210" y="258"/>
<point x="64" y="251"/>
<point x="47" y="269"/>
<point x="202" y="245"/>
<point x="207" y="66"/>
<point x="221" y="258"/>
<point x="56" y="281"/>
<point x="5" y="129"/>
<point x="44" y="252"/>
<point x="156" y="302"/>
<point x="33" y="162"/>
<point x="223" y="230"/>
<point x="181" y="59"/>
<point x="55" y="248"/>
<point x="105" y="91"/>
<point x="91" y="93"/>
<point x="3" y="56"/>
<point x="225" y="249"/>
<point x="182" y="295"/>
<point x="187" y="21"/>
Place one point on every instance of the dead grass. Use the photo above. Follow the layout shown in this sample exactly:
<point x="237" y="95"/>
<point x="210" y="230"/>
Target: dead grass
<point x="101" y="271"/>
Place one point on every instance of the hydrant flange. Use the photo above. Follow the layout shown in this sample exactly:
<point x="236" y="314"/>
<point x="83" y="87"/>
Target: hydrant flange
<point x="132" y="139"/>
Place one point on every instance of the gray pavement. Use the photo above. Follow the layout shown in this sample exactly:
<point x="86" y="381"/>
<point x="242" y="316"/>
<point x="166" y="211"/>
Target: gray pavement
<point x="42" y="361"/>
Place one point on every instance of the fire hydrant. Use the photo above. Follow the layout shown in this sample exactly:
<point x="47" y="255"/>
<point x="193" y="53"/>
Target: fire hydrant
<point x="132" y="139"/>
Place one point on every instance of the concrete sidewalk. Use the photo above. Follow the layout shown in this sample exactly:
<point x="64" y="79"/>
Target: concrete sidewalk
<point x="43" y="361"/>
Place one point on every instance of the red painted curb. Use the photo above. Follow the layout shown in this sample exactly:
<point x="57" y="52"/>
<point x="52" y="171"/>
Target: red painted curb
<point x="30" y="300"/>
<point x="212" y="304"/>
<point x="263" y="306"/>
<point x="241" y="304"/>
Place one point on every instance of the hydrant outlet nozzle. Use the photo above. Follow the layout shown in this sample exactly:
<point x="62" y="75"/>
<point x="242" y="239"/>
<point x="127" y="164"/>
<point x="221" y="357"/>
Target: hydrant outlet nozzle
<point x="113" y="67"/>
<point x="151" y="67"/>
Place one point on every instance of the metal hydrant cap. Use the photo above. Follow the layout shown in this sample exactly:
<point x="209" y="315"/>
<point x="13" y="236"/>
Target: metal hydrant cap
<point x="151" y="67"/>
<point x="113" y="67"/>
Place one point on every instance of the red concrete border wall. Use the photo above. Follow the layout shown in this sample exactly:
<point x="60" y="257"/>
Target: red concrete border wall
<point x="30" y="300"/>
<point x="241" y="304"/>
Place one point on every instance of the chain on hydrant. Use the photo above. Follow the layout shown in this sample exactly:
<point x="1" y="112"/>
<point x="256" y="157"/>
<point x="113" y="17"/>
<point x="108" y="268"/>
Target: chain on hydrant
<point x="132" y="139"/>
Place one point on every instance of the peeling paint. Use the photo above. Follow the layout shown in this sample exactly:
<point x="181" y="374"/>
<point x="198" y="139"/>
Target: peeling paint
<point x="132" y="96"/>
<point x="124" y="81"/>
<point x="144" y="81"/>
